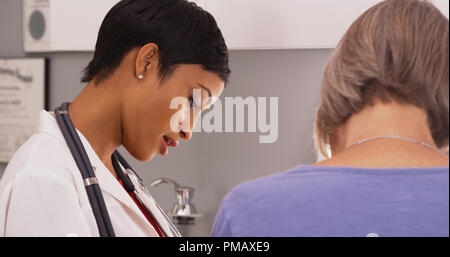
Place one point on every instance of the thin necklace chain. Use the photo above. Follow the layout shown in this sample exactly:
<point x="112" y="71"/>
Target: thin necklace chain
<point x="396" y="137"/>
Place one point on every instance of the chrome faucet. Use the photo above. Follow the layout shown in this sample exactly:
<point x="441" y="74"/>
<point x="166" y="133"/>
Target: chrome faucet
<point x="183" y="212"/>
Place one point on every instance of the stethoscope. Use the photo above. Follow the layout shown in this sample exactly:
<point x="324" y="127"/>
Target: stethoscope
<point x="131" y="181"/>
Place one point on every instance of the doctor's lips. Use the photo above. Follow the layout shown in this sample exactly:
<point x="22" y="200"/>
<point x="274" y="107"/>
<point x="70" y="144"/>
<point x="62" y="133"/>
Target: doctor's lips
<point x="166" y="142"/>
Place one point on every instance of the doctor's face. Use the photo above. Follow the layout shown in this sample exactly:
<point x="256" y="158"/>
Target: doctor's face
<point x="147" y="113"/>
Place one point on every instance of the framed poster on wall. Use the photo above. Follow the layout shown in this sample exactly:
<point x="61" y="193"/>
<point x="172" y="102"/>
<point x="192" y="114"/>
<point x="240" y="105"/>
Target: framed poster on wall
<point x="23" y="94"/>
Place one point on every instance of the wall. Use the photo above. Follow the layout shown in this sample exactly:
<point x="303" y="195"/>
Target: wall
<point x="211" y="163"/>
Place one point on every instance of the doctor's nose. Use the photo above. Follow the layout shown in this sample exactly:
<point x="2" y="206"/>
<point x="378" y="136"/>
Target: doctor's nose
<point x="186" y="135"/>
<point x="187" y="124"/>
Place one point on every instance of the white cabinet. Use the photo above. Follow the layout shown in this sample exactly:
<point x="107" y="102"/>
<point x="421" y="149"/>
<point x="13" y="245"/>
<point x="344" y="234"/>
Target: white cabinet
<point x="65" y="25"/>
<point x="281" y="24"/>
<point x="69" y="25"/>
<point x="72" y="25"/>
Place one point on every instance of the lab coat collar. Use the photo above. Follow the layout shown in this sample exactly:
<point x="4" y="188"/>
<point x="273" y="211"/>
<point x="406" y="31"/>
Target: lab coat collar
<point x="106" y="180"/>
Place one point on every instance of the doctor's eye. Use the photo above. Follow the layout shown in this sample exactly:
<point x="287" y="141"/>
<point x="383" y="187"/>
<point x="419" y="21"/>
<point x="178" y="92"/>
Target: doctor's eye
<point x="192" y="103"/>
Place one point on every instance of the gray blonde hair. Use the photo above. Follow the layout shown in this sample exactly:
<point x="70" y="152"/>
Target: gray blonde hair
<point x="396" y="51"/>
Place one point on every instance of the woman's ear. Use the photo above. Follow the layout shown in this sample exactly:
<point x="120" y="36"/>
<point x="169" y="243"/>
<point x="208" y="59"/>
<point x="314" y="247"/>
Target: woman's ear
<point x="147" y="60"/>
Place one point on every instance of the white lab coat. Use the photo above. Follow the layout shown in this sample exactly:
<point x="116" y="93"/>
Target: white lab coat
<point x="42" y="191"/>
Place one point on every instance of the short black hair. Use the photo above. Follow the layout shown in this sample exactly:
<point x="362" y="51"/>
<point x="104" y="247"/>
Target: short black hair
<point x="183" y="31"/>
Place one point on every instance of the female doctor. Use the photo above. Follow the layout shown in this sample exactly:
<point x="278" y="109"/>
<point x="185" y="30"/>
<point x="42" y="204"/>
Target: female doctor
<point x="148" y="53"/>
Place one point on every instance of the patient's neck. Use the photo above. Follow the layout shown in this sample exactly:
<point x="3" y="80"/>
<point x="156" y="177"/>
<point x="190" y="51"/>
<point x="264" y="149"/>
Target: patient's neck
<point x="383" y="119"/>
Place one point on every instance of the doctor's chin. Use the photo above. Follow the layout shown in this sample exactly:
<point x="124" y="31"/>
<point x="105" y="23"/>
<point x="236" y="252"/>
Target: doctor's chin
<point x="237" y="127"/>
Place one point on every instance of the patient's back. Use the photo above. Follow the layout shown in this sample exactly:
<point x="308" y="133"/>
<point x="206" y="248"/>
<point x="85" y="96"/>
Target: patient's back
<point x="339" y="201"/>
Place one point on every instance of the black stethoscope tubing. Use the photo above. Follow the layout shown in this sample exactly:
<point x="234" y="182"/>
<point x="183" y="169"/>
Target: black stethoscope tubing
<point x="81" y="158"/>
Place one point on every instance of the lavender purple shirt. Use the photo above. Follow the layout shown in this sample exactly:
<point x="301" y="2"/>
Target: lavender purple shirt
<point x="339" y="201"/>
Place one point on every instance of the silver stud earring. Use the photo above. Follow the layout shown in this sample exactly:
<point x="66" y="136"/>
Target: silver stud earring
<point x="141" y="76"/>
